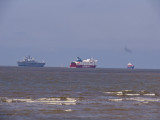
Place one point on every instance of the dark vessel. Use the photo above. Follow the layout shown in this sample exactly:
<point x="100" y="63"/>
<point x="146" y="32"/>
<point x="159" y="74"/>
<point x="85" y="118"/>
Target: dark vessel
<point x="30" y="62"/>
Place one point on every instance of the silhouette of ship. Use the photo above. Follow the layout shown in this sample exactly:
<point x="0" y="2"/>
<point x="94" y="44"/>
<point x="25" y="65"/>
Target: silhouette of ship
<point x="30" y="62"/>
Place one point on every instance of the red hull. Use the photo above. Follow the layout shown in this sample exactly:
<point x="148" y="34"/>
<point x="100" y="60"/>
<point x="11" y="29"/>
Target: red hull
<point x="130" y="66"/>
<point x="82" y="66"/>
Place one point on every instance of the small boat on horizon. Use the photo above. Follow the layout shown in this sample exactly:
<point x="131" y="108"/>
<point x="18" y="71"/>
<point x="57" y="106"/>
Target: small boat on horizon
<point x="30" y="62"/>
<point x="130" y="66"/>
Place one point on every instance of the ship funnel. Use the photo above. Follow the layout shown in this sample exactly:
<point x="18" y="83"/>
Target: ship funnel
<point x="79" y="59"/>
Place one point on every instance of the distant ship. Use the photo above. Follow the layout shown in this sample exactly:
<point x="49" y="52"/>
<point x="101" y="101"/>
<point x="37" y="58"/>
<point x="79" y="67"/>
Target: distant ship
<point x="79" y="63"/>
<point x="130" y="66"/>
<point x="30" y="62"/>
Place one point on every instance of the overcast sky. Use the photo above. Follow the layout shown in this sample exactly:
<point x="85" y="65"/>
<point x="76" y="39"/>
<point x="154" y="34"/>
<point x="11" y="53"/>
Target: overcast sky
<point x="57" y="31"/>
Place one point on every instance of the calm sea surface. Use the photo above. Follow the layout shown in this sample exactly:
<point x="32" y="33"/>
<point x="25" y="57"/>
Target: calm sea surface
<point x="79" y="94"/>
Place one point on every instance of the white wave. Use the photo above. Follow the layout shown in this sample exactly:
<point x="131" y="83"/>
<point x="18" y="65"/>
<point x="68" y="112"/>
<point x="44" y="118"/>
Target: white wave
<point x="68" y="110"/>
<point x="132" y="94"/>
<point x="48" y="99"/>
<point x="118" y="92"/>
<point x="55" y="101"/>
<point x="141" y="99"/>
<point x="69" y="103"/>
<point x="152" y="94"/>
<point x="128" y="90"/>
<point x="8" y="100"/>
<point x="108" y="92"/>
<point x="60" y="103"/>
<point x="71" y="100"/>
<point x="22" y="100"/>
<point x="115" y="100"/>
<point x="15" y="100"/>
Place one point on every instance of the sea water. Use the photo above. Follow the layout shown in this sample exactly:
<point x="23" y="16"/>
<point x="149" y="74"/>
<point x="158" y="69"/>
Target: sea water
<point x="79" y="94"/>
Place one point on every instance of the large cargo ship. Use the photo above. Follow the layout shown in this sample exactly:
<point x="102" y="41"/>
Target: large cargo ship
<point x="79" y="63"/>
<point x="30" y="62"/>
<point x="130" y="66"/>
